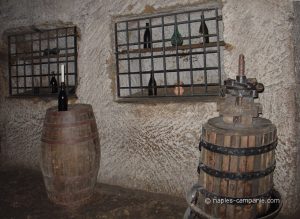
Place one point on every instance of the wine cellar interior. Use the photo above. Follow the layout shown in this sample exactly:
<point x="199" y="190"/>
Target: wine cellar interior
<point x="147" y="109"/>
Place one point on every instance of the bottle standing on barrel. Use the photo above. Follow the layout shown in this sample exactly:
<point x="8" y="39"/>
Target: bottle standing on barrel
<point x="152" y="88"/>
<point x="62" y="97"/>
<point x="53" y="84"/>
<point x="147" y="37"/>
<point x="204" y="30"/>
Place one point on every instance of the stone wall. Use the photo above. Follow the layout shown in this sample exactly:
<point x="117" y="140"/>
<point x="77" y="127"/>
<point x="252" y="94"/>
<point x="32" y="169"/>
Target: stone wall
<point x="262" y="30"/>
<point x="154" y="146"/>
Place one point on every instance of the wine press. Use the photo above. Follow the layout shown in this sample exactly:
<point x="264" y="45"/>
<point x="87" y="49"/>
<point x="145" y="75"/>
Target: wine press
<point x="237" y="160"/>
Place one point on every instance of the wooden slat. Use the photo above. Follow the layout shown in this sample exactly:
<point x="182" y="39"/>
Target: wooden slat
<point x="224" y="182"/>
<point x="218" y="166"/>
<point x="242" y="168"/>
<point x="248" y="210"/>
<point x="257" y="166"/>
<point x="210" y="163"/>
<point x="233" y="167"/>
<point x="202" y="175"/>
<point x="172" y="48"/>
<point x="262" y="185"/>
<point x="239" y="212"/>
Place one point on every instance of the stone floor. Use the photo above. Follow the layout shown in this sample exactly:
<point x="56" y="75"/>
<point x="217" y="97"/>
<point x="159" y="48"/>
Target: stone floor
<point x="23" y="195"/>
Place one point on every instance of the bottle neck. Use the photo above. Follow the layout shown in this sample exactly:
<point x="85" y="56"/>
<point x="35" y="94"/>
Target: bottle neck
<point x="202" y="19"/>
<point x="62" y="85"/>
<point x="175" y="28"/>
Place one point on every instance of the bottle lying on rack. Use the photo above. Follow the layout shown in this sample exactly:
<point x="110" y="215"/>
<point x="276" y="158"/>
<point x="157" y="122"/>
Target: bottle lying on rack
<point x="203" y="30"/>
<point x="147" y="37"/>
<point x="54" y="51"/>
<point x="152" y="87"/>
<point x="53" y="84"/>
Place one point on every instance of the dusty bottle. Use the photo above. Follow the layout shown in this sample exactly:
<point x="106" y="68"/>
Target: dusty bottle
<point x="203" y="30"/>
<point x="62" y="98"/>
<point x="147" y="37"/>
<point x="152" y="87"/>
<point x="176" y="38"/>
<point x="53" y="84"/>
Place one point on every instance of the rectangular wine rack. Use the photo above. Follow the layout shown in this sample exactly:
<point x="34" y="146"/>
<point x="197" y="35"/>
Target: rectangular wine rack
<point x="192" y="67"/>
<point x="35" y="57"/>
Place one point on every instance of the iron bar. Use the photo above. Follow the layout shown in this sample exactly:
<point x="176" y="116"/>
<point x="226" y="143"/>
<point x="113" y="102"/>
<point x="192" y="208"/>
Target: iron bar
<point x="168" y="70"/>
<point x="218" y="48"/>
<point x="140" y="58"/>
<point x="191" y="55"/>
<point x="164" y="53"/>
<point x="204" y="51"/>
<point x="128" y="62"/>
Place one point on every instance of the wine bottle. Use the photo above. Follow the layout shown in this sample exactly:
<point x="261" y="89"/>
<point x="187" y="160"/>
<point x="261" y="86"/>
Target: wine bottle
<point x="54" y="51"/>
<point x="203" y="30"/>
<point x="176" y="38"/>
<point x="147" y="37"/>
<point x="53" y="84"/>
<point x="62" y="98"/>
<point x="152" y="88"/>
<point x="46" y="52"/>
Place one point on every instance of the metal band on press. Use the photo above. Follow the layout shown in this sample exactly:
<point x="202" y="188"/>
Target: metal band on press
<point x="236" y="175"/>
<point x="237" y="151"/>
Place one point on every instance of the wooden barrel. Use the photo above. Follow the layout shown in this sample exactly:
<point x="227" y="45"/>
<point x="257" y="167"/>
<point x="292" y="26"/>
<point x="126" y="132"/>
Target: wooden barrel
<point x="70" y="153"/>
<point x="237" y="164"/>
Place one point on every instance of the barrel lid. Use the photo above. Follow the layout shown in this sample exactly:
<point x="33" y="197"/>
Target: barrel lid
<point x="72" y="108"/>
<point x="259" y="125"/>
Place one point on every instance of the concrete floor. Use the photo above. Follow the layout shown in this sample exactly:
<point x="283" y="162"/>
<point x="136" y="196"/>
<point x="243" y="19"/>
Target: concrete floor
<point x="23" y="195"/>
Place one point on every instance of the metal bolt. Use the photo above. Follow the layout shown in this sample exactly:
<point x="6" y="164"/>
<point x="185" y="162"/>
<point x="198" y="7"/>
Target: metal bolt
<point x="241" y="65"/>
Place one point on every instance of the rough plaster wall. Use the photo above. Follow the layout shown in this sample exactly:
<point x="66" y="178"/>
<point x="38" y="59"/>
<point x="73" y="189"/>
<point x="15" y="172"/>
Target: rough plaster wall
<point x="154" y="146"/>
<point x="296" y="35"/>
<point x="145" y="146"/>
<point x="262" y="30"/>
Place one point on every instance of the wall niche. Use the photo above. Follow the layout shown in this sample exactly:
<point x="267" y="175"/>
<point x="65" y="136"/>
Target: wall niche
<point x="169" y="55"/>
<point x="34" y="59"/>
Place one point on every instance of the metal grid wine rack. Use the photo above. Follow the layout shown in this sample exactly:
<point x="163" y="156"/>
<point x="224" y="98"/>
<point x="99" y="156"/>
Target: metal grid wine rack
<point x="195" y="66"/>
<point x="33" y="56"/>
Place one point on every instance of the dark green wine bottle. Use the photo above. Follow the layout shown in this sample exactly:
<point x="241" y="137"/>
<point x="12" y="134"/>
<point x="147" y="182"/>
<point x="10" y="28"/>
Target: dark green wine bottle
<point x="203" y="30"/>
<point x="152" y="87"/>
<point x="147" y="37"/>
<point x="176" y="38"/>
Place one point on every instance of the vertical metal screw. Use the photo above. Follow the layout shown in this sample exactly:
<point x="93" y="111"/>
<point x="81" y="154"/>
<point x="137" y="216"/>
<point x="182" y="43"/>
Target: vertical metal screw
<point x="241" y="65"/>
